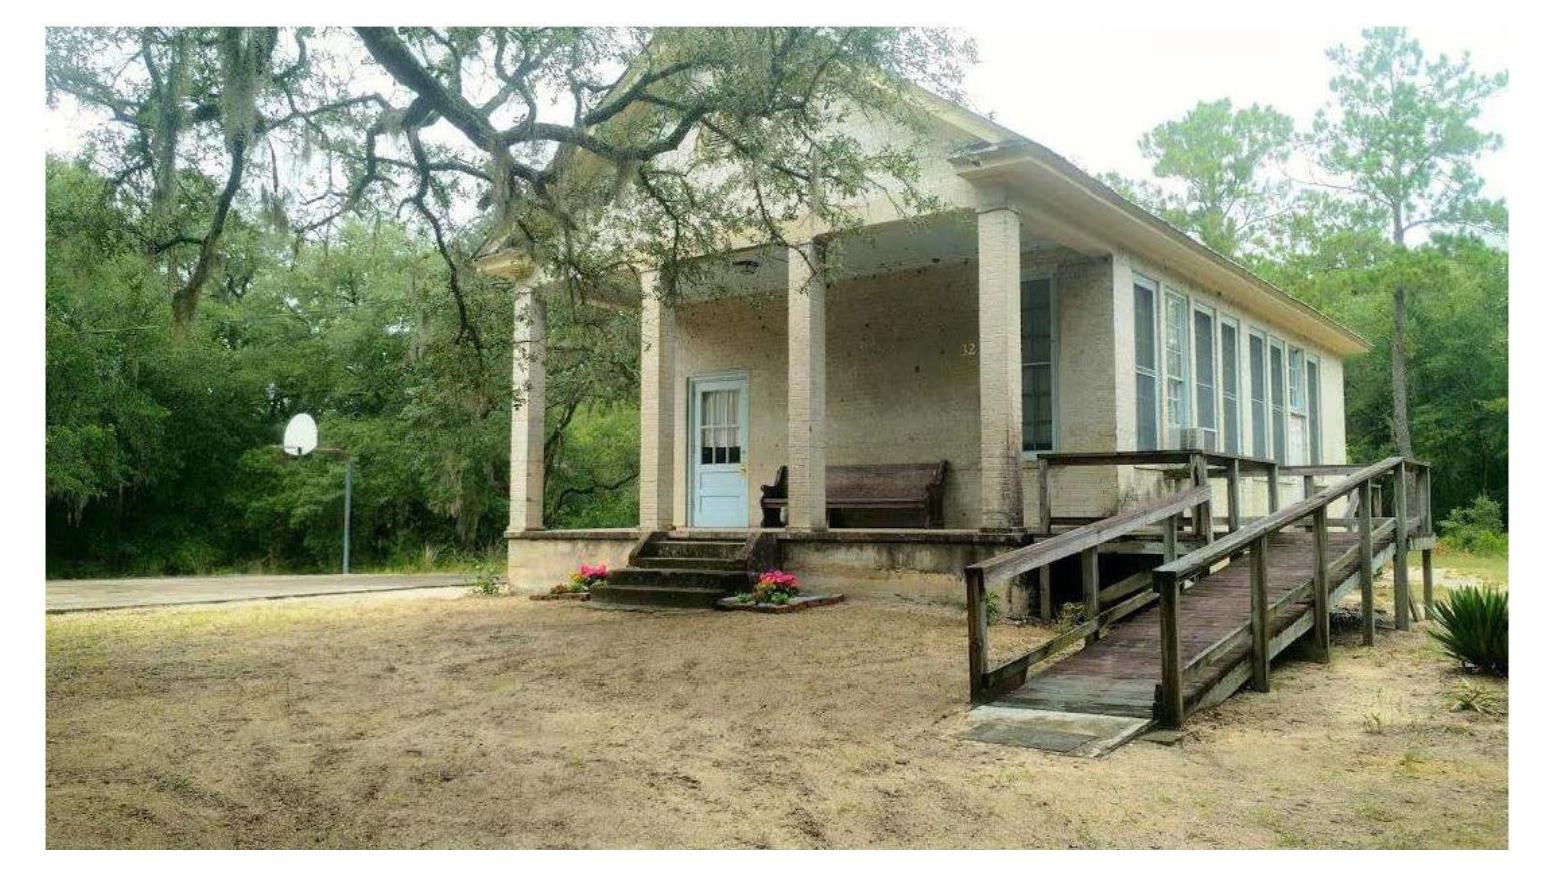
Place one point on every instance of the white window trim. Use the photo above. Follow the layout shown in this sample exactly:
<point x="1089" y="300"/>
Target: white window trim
<point x="1313" y="434"/>
<point x="1268" y="398"/>
<point x="1284" y="391"/>
<point x="1053" y="352"/>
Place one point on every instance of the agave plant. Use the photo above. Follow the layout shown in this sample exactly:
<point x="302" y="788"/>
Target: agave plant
<point x="1473" y="627"/>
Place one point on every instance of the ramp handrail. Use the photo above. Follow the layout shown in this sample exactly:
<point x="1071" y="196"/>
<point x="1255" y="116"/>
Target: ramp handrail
<point x="1084" y="541"/>
<point x="1253" y="538"/>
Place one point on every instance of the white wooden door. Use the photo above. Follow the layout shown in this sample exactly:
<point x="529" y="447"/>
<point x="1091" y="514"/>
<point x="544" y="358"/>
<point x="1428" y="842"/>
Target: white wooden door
<point x="718" y="451"/>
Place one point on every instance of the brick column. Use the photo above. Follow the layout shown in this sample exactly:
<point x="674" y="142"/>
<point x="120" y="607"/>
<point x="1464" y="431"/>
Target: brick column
<point x="658" y="351"/>
<point x="999" y="366"/>
<point x="807" y="402"/>
<point x="528" y="403"/>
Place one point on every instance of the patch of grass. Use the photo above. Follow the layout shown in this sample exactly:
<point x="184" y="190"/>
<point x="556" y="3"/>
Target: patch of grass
<point x="1465" y="695"/>
<point x="1489" y="568"/>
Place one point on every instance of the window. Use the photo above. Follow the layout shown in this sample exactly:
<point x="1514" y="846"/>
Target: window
<point x="1314" y="408"/>
<point x="720" y="427"/>
<point x="1146" y="386"/>
<point x="1230" y="361"/>
<point x="1277" y="399"/>
<point x="1204" y="374"/>
<point x="1037" y="364"/>
<point x="1176" y="360"/>
<point x="1299" y="441"/>
<point x="1258" y="373"/>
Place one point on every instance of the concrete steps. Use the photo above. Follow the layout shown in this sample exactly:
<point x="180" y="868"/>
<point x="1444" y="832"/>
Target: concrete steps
<point x="678" y="572"/>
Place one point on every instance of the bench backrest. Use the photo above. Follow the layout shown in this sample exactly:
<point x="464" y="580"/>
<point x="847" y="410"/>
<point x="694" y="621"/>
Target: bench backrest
<point x="884" y="481"/>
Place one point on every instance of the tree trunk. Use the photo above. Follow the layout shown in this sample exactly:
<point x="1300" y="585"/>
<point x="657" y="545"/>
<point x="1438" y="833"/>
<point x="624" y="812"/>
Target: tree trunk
<point x="1400" y="436"/>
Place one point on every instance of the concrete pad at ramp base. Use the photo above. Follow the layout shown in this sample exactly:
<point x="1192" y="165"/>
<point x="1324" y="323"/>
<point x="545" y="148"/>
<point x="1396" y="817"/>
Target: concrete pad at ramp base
<point x="1088" y="735"/>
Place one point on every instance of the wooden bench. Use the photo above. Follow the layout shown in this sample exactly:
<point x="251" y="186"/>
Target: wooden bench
<point x="912" y="492"/>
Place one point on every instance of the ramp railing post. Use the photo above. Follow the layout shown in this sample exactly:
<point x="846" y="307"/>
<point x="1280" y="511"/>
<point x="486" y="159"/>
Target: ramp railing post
<point x="978" y="633"/>
<point x="1045" y="592"/>
<point x="1260" y="637"/>
<point x="1273" y="487"/>
<point x="1400" y="591"/>
<point x="1320" y="617"/>
<point x="1044" y="497"/>
<point x="1091" y="583"/>
<point x="1367" y="577"/>
<point x="1170" y="701"/>
<point x="1233" y="495"/>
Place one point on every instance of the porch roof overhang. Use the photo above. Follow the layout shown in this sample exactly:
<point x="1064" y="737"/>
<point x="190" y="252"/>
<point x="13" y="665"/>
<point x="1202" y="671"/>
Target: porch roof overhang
<point x="1023" y="167"/>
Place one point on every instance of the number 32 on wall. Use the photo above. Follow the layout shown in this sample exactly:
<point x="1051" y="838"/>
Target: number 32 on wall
<point x="970" y="349"/>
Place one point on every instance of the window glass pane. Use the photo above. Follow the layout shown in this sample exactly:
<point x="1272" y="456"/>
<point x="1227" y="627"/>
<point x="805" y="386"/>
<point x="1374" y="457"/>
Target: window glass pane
<point x="1037" y="359"/>
<point x="1314" y="409"/>
<point x="1145" y="395"/>
<point x="1277" y="400"/>
<point x="1231" y="421"/>
<point x="1176" y="347"/>
<point x="1144" y="327"/>
<point x="1204" y="368"/>
<point x="1256" y="373"/>
<point x="1297" y="396"/>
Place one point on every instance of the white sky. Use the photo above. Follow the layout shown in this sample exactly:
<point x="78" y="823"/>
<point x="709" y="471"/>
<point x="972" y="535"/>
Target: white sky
<point x="1090" y="94"/>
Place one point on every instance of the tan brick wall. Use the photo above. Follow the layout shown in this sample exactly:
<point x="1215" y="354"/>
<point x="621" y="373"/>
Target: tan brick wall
<point x="530" y="333"/>
<point x="658" y="383"/>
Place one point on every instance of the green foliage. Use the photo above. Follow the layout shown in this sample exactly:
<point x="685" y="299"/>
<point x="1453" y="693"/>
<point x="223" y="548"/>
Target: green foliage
<point x="1217" y="167"/>
<point x="1465" y="695"/>
<point x="1474" y="625"/>
<point x="162" y="447"/>
<point x="487" y="580"/>
<point x="1478" y="528"/>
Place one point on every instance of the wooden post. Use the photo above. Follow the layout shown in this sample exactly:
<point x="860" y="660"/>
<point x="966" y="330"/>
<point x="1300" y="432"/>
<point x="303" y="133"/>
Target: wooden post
<point x="1044" y="497"/>
<point x="1427" y="528"/>
<point x="1367" y="577"/>
<point x="1170" y="702"/>
<point x="1260" y="628"/>
<point x="1273" y="488"/>
<point x="978" y="634"/>
<point x="1400" y="590"/>
<point x="1320" y="618"/>
<point x="1198" y="476"/>
<point x="1045" y="592"/>
<point x="1169" y="539"/>
<point x="1308" y="490"/>
<point x="1092" y="584"/>
<point x="1234" y="495"/>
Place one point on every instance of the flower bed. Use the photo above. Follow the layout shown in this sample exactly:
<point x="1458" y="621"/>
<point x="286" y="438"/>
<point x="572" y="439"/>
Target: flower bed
<point x="775" y="593"/>
<point x="581" y="583"/>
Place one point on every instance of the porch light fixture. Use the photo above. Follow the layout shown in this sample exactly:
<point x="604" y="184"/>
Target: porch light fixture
<point x="746" y="267"/>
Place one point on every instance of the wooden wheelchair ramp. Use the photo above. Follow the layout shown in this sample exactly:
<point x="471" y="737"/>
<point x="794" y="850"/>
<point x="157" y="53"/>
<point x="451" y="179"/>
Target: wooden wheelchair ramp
<point x="1201" y="625"/>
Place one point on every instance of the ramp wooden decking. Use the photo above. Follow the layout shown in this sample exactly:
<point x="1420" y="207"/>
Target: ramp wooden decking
<point x="1196" y="628"/>
<point x="1119" y="672"/>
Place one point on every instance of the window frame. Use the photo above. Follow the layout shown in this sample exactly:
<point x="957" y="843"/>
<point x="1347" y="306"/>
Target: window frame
<point x="1231" y="441"/>
<point x="1153" y="371"/>
<point x="1258" y="399"/>
<point x="1209" y="311"/>
<point x="1185" y="377"/>
<point x="1053" y="360"/>
<point x="1314" y="409"/>
<point x="1280" y="415"/>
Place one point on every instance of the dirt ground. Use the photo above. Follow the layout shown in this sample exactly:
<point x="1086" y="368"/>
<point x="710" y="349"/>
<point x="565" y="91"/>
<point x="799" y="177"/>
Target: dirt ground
<point x="407" y="721"/>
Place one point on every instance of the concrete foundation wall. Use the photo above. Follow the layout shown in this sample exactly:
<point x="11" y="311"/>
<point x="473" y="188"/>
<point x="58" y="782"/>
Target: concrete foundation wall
<point x="533" y="565"/>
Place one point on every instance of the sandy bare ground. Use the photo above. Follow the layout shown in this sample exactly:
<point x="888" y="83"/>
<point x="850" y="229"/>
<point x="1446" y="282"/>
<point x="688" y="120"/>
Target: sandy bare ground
<point x="474" y="722"/>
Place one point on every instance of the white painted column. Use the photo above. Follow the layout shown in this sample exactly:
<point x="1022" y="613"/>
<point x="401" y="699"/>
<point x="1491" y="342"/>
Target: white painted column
<point x="658" y="352"/>
<point x="999" y="366"/>
<point x="528" y="402"/>
<point x="808" y="381"/>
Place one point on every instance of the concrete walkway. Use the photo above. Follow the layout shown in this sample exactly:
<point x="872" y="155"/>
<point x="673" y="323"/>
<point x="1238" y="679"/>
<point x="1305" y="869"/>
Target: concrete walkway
<point x="146" y="592"/>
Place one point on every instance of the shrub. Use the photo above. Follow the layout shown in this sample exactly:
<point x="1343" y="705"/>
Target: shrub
<point x="1477" y="528"/>
<point x="1474" y="625"/>
<point x="487" y="581"/>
